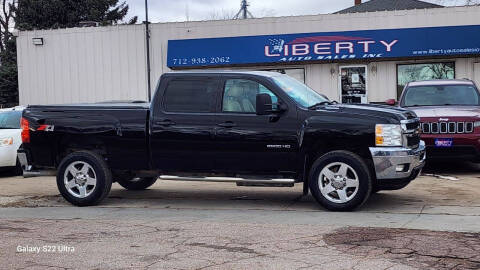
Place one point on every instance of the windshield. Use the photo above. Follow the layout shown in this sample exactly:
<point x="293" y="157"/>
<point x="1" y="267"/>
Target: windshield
<point x="302" y="94"/>
<point x="438" y="95"/>
<point x="10" y="119"/>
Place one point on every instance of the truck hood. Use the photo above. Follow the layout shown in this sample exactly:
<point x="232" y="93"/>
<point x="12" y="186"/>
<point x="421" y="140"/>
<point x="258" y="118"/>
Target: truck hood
<point x="388" y="113"/>
<point x="447" y="111"/>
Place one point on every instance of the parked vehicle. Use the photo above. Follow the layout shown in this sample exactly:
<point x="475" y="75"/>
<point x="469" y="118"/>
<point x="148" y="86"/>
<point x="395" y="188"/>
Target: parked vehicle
<point x="252" y="128"/>
<point x="449" y="112"/>
<point x="10" y="139"/>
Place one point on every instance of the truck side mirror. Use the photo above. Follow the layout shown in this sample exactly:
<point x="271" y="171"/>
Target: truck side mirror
<point x="264" y="104"/>
<point x="391" y="102"/>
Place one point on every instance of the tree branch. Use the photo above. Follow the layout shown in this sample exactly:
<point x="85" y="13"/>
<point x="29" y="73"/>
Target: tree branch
<point x="4" y="4"/>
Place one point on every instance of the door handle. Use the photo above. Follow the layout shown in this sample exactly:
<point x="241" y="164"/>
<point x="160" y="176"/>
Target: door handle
<point x="227" y="124"/>
<point x="165" y="123"/>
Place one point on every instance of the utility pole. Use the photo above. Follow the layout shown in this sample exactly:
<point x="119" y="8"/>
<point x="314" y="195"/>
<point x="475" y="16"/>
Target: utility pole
<point x="244" y="8"/>
<point x="147" y="39"/>
<point x="243" y="13"/>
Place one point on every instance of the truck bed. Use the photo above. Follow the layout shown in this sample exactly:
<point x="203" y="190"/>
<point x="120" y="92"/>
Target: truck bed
<point x="118" y="129"/>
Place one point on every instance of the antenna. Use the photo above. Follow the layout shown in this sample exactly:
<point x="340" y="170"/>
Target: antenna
<point x="243" y="13"/>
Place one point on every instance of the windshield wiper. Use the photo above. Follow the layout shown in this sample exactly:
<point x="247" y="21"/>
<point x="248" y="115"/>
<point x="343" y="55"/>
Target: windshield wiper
<point x="327" y="102"/>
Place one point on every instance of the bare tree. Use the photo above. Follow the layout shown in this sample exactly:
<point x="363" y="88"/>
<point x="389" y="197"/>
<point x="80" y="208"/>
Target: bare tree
<point x="6" y="21"/>
<point x="440" y="71"/>
<point x="244" y="12"/>
<point x="472" y="2"/>
<point x="266" y="12"/>
<point x="456" y="2"/>
<point x="219" y="15"/>
<point x="187" y="11"/>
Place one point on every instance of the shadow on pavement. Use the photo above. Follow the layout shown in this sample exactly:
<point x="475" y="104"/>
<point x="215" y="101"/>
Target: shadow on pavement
<point x="451" y="167"/>
<point x="6" y="173"/>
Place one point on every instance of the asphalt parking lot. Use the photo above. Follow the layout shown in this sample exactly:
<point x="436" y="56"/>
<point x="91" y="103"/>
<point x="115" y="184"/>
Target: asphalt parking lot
<point x="434" y="223"/>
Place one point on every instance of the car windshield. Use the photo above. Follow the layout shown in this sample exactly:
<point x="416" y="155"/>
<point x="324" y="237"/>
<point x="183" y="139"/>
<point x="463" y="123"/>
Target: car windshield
<point x="438" y="95"/>
<point x="10" y="119"/>
<point x="302" y="94"/>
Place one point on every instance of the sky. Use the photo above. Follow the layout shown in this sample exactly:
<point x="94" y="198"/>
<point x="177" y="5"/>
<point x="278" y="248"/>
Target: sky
<point x="194" y="10"/>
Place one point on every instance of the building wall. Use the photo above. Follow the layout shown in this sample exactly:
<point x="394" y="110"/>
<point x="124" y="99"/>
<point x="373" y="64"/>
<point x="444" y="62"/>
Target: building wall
<point x="476" y="72"/>
<point x="82" y="65"/>
<point x="108" y="63"/>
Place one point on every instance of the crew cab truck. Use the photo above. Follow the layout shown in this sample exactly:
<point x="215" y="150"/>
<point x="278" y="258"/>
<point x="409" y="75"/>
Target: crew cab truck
<point x="251" y="128"/>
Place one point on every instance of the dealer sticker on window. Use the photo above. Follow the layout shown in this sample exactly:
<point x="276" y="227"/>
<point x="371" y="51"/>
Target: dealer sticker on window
<point x="444" y="142"/>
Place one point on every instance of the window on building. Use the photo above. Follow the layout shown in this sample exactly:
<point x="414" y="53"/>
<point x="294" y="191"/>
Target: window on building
<point x="426" y="71"/>
<point x="190" y="96"/>
<point x="240" y="95"/>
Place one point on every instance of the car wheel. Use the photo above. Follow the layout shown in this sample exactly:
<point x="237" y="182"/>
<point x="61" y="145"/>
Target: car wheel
<point x="83" y="178"/>
<point x="138" y="183"/>
<point x="340" y="181"/>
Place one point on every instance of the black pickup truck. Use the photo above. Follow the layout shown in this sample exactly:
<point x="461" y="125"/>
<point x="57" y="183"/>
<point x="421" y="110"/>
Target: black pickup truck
<point x="251" y="128"/>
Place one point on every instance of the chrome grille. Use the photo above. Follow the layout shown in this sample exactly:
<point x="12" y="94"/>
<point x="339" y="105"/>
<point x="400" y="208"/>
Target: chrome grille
<point x="410" y="132"/>
<point x="452" y="127"/>
<point x="426" y="127"/>
<point x="469" y="127"/>
<point x="447" y="127"/>
<point x="443" y="127"/>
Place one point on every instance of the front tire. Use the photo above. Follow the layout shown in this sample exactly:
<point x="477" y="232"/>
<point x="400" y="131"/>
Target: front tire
<point x="83" y="178"/>
<point x="340" y="181"/>
<point x="139" y="183"/>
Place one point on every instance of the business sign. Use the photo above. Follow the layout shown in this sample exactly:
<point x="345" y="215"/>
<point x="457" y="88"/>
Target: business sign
<point x="368" y="44"/>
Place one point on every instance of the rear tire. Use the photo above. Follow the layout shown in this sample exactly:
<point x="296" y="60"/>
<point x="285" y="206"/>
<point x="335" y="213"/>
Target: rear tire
<point x="83" y="178"/>
<point x="340" y="181"/>
<point x="139" y="183"/>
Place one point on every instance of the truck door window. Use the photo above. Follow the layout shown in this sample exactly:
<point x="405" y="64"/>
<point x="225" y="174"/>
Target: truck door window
<point x="190" y="96"/>
<point x="240" y="95"/>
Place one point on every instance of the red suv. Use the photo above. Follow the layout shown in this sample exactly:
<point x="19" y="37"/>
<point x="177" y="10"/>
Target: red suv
<point x="449" y="112"/>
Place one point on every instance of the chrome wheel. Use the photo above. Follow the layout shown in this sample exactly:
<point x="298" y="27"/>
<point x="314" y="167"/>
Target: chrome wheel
<point x="80" y="179"/>
<point x="338" y="182"/>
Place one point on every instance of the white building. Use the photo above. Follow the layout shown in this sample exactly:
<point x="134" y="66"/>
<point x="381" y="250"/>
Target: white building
<point x="353" y="57"/>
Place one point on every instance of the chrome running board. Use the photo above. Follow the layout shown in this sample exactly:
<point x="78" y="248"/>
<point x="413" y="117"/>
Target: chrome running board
<point x="288" y="182"/>
<point x="28" y="174"/>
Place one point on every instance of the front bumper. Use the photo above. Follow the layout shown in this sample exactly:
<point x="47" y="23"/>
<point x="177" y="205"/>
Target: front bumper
<point x="398" y="162"/>
<point x="8" y="156"/>
<point x="466" y="146"/>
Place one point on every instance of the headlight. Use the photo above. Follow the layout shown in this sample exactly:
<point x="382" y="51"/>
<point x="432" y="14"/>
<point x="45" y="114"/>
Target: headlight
<point x="476" y="124"/>
<point x="388" y="135"/>
<point x="6" y="141"/>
